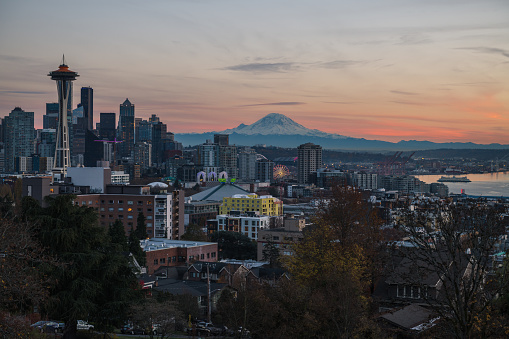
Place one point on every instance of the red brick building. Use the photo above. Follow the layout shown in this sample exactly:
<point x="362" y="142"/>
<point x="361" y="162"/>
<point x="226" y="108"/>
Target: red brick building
<point x="168" y="253"/>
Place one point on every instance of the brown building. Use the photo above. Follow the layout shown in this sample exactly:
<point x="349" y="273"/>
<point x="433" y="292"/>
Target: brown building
<point x="282" y="237"/>
<point x="162" y="212"/>
<point x="169" y="253"/>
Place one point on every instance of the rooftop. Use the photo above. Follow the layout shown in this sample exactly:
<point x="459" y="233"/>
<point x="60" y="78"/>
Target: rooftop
<point x="155" y="244"/>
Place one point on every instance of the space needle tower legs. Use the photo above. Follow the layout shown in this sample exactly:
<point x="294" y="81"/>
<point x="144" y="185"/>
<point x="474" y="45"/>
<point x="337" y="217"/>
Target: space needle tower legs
<point x="64" y="77"/>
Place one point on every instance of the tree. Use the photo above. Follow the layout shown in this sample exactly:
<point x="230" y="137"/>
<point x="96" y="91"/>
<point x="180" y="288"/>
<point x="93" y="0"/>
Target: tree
<point x="336" y="261"/>
<point x="141" y="227"/>
<point x="135" y="236"/>
<point x="234" y="245"/>
<point x="94" y="280"/>
<point x="23" y="287"/>
<point x="454" y="242"/>
<point x="194" y="233"/>
<point x="156" y="316"/>
<point x="117" y="235"/>
<point x="271" y="253"/>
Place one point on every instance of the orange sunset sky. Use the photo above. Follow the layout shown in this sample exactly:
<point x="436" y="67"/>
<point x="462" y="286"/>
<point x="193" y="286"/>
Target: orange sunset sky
<point x="387" y="70"/>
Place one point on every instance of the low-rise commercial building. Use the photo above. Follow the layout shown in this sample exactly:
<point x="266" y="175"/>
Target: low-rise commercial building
<point x="169" y="253"/>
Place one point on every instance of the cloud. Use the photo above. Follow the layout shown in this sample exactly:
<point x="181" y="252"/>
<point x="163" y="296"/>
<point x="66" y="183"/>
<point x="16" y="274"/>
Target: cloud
<point x="283" y="103"/>
<point x="409" y="103"/>
<point x="403" y="92"/>
<point x="340" y="102"/>
<point x="340" y="63"/>
<point x="413" y="39"/>
<point x="24" y="92"/>
<point x="489" y="50"/>
<point x="278" y="67"/>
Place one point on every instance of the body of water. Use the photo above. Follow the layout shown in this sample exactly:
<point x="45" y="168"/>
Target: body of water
<point x="486" y="185"/>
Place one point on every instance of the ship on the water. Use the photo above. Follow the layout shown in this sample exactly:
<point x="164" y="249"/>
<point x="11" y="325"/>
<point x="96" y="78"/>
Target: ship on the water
<point x="453" y="179"/>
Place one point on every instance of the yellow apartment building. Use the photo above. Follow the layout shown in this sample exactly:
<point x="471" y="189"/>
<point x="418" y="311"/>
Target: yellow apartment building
<point x="264" y="205"/>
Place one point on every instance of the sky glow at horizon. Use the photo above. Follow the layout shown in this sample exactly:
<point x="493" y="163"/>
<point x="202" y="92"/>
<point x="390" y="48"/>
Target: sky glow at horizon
<point x="388" y="70"/>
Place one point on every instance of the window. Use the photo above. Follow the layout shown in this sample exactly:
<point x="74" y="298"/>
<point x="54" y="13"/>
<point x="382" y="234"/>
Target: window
<point x="275" y="238"/>
<point x="149" y="224"/>
<point x="155" y="261"/>
<point x="102" y="209"/>
<point x="90" y="202"/>
<point x="149" y="217"/>
<point x="120" y="209"/>
<point x="202" y="256"/>
<point x="173" y="259"/>
<point x="121" y="216"/>
<point x="140" y="202"/>
<point x="208" y="255"/>
<point x="213" y="254"/>
<point x="408" y="291"/>
<point x="162" y="260"/>
<point x="149" y="210"/>
<point x="129" y="202"/>
<point x="111" y="209"/>
<point x="121" y="201"/>
<point x="129" y="209"/>
<point x="111" y="202"/>
<point x="129" y="217"/>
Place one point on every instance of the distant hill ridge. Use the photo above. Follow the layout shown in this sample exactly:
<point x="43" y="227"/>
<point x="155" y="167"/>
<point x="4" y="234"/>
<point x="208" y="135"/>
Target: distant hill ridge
<point x="277" y="129"/>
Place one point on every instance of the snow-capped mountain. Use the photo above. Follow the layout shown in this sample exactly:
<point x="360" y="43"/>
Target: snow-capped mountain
<point x="278" y="130"/>
<point x="278" y="124"/>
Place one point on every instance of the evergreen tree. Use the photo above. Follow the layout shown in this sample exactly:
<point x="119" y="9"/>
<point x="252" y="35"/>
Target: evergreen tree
<point x="194" y="233"/>
<point x="117" y="235"/>
<point x="141" y="227"/>
<point x="135" y="248"/>
<point x="234" y="245"/>
<point x="95" y="280"/>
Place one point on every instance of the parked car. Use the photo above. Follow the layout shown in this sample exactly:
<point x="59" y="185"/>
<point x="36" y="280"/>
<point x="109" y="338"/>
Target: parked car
<point x="41" y="325"/>
<point x="83" y="325"/>
<point x="54" y="327"/>
<point x="127" y="329"/>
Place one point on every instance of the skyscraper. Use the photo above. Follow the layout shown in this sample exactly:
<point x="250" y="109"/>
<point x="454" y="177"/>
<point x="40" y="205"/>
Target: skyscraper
<point x="125" y="129"/>
<point x="64" y="77"/>
<point x="50" y="119"/>
<point x="309" y="160"/>
<point x="87" y="101"/>
<point x="107" y="126"/>
<point x="19" y="136"/>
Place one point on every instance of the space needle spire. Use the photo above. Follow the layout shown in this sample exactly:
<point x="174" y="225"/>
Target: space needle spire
<point x="64" y="77"/>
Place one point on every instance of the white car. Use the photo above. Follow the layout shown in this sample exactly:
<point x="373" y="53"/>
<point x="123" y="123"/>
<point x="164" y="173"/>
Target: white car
<point x="83" y="325"/>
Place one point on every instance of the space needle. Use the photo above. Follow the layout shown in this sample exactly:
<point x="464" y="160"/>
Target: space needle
<point x="64" y="77"/>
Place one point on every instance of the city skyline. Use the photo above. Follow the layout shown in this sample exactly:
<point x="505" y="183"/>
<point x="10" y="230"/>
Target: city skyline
<point x="396" y="70"/>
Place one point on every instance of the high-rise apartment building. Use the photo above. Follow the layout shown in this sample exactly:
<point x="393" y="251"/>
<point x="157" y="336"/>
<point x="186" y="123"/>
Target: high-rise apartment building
<point x="87" y="101"/>
<point x="227" y="155"/>
<point x="107" y="126"/>
<point x="247" y="164"/>
<point x="125" y="131"/>
<point x="222" y="139"/>
<point x="208" y="156"/>
<point x="309" y="160"/>
<point x="19" y="136"/>
<point x="265" y="170"/>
